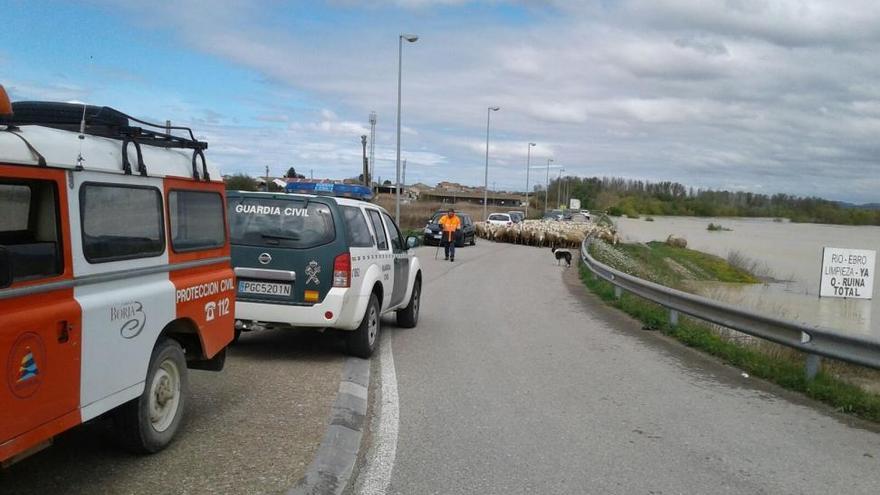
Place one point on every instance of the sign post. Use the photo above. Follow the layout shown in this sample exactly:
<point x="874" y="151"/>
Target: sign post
<point x="847" y="273"/>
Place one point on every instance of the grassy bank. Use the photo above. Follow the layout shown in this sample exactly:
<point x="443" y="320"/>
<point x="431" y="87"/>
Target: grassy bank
<point x="779" y="365"/>
<point x="670" y="266"/>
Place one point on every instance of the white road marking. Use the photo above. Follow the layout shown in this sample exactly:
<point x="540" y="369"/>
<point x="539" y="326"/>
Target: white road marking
<point x="380" y="462"/>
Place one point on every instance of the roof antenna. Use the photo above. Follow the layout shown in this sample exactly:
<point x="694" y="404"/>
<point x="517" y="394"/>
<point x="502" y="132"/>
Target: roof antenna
<point x="82" y="137"/>
<point x="82" y="125"/>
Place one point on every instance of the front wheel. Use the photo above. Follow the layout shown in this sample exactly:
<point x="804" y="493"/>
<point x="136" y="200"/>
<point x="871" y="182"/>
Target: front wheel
<point x="362" y="341"/>
<point x="408" y="317"/>
<point x="474" y="240"/>
<point x="148" y="424"/>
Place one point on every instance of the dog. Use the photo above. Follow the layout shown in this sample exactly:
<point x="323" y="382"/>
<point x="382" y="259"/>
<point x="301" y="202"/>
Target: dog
<point x="562" y="254"/>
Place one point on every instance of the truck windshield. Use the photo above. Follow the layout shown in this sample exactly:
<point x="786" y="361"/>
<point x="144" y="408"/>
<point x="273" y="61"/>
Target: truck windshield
<point x="279" y="222"/>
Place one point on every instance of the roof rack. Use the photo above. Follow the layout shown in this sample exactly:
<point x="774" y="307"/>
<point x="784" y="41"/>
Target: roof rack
<point x="100" y="121"/>
<point x="109" y="123"/>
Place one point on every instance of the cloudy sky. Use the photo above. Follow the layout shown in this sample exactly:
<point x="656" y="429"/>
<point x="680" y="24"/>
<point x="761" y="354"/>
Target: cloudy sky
<point x="761" y="95"/>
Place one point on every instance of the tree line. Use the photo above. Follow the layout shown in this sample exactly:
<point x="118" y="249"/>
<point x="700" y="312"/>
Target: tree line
<point x="620" y="196"/>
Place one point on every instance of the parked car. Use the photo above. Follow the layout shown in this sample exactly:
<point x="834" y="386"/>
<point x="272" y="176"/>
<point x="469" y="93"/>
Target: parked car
<point x="554" y="215"/>
<point x="517" y="216"/>
<point x="434" y="234"/>
<point x="578" y="217"/>
<point x="114" y="277"/>
<point x="500" y="219"/>
<point x="321" y="260"/>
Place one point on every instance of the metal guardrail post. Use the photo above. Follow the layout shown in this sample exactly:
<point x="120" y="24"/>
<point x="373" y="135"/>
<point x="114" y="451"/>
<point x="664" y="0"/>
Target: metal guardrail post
<point x="812" y="366"/>
<point x="618" y="292"/>
<point x="673" y="318"/>
<point x="813" y="362"/>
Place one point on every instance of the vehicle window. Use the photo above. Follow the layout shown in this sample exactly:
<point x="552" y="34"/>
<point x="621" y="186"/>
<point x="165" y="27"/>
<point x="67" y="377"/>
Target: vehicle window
<point x="271" y="222"/>
<point x="15" y="203"/>
<point x="197" y="220"/>
<point x="436" y="217"/>
<point x="29" y="228"/>
<point x="121" y="222"/>
<point x="376" y="220"/>
<point x="356" y="227"/>
<point x="394" y="233"/>
<point x="496" y="216"/>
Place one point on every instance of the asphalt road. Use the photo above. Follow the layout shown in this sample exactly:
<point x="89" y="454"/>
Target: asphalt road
<point x="519" y="381"/>
<point x="252" y="428"/>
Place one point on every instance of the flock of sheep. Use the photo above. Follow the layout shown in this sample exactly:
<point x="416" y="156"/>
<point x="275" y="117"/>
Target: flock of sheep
<point x="545" y="233"/>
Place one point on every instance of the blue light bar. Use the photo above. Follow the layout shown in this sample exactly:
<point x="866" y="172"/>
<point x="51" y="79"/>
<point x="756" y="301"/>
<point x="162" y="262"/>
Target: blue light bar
<point x="354" y="191"/>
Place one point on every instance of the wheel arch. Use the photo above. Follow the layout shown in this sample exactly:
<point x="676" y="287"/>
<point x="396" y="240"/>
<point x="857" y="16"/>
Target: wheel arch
<point x="415" y="273"/>
<point x="186" y="332"/>
<point x="378" y="291"/>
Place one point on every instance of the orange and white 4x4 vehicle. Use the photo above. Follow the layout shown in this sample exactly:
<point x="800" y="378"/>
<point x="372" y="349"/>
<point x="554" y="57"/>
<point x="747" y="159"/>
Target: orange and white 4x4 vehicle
<point x="114" y="274"/>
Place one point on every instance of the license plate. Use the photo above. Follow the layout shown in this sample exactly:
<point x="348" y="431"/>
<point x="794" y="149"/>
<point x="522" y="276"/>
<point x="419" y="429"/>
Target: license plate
<point x="266" y="288"/>
<point x="437" y="236"/>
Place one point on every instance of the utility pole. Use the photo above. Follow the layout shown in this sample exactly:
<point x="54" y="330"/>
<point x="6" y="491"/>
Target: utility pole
<point x="489" y="111"/>
<point x="547" y="186"/>
<point x="372" y="147"/>
<point x="311" y="174"/>
<point x="267" y="178"/>
<point x="403" y="180"/>
<point x="559" y="187"/>
<point x="528" y="166"/>
<point x="366" y="174"/>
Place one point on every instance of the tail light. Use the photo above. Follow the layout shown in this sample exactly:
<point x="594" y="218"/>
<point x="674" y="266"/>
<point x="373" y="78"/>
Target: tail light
<point x="342" y="270"/>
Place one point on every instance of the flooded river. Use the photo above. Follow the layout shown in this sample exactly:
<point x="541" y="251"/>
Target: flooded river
<point x="788" y="253"/>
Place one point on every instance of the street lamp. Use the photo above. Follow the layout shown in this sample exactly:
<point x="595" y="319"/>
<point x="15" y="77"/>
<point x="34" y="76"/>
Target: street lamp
<point x="547" y="186"/>
<point x="486" y="177"/>
<point x="412" y="39"/>
<point x="528" y="162"/>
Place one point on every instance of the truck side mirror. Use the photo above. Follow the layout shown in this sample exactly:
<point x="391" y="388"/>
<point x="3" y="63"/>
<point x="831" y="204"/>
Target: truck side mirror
<point x="5" y="268"/>
<point x="411" y="242"/>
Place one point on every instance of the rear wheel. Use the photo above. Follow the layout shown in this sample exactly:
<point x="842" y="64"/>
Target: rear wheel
<point x="148" y="424"/>
<point x="408" y="317"/>
<point x="474" y="240"/>
<point x="362" y="341"/>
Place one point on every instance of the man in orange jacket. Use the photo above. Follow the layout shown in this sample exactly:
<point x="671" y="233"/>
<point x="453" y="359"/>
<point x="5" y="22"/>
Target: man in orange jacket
<point x="451" y="224"/>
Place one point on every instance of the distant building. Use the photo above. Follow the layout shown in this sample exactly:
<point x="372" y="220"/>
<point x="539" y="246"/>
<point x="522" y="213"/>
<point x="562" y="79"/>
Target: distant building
<point x="451" y="186"/>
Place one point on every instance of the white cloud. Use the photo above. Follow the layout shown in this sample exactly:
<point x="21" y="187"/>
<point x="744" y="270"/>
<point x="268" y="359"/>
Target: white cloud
<point x="778" y="94"/>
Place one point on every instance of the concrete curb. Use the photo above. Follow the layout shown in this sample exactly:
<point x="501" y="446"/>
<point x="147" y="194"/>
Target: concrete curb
<point x="332" y="466"/>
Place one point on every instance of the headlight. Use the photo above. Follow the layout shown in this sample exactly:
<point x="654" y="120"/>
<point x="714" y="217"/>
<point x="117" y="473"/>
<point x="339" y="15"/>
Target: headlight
<point x="427" y="230"/>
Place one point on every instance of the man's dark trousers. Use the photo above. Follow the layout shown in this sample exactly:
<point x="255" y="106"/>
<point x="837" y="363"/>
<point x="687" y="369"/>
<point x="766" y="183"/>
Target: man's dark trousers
<point x="449" y="246"/>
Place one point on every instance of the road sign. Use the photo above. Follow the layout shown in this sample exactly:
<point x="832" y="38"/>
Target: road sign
<point x="847" y="273"/>
<point x="574" y="203"/>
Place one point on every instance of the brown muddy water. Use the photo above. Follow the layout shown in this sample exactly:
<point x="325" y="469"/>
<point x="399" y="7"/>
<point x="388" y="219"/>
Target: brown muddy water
<point x="788" y="254"/>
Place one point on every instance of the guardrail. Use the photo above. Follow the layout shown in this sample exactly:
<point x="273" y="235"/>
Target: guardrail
<point x="814" y="340"/>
